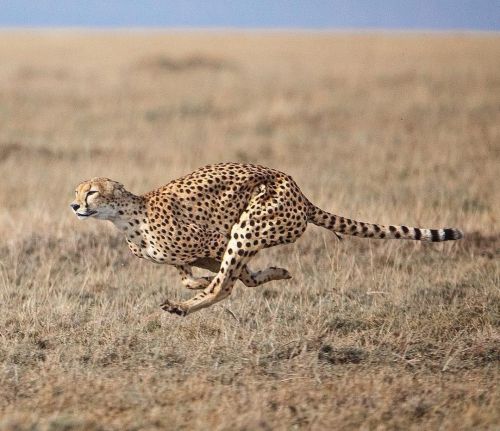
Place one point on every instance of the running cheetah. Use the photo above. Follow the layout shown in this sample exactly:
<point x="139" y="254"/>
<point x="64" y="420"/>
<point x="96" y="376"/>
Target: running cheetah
<point x="218" y="218"/>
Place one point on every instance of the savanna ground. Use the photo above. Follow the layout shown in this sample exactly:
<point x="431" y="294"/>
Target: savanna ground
<point x="367" y="335"/>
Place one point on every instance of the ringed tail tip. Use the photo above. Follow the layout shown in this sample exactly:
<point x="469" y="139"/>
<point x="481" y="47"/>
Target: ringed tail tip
<point x="451" y="234"/>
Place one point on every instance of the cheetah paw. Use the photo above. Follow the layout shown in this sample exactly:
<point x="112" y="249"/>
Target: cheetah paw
<point x="173" y="307"/>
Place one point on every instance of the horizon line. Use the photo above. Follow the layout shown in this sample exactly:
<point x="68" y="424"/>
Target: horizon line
<point x="187" y="29"/>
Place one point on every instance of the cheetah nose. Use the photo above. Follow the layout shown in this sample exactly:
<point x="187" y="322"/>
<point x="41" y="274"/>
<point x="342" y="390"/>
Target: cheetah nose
<point x="75" y="206"/>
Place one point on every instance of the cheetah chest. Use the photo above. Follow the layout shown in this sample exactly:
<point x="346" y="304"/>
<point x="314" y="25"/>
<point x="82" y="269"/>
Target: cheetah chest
<point x="153" y="252"/>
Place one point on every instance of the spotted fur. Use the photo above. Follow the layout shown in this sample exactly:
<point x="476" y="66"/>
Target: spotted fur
<point x="218" y="218"/>
<point x="368" y="230"/>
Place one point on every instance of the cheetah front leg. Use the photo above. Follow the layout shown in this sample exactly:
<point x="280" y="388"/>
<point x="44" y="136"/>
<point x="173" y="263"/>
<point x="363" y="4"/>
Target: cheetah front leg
<point x="238" y="252"/>
<point x="190" y="281"/>
<point x="253" y="279"/>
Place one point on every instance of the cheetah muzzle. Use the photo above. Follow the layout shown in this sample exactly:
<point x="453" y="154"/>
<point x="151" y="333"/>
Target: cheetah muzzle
<point x="218" y="218"/>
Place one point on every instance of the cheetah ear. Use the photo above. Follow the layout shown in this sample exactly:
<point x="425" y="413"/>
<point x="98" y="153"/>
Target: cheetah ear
<point x="118" y="190"/>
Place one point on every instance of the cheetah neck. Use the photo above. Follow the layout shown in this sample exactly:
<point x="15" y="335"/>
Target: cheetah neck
<point x="130" y="213"/>
<point x="133" y="221"/>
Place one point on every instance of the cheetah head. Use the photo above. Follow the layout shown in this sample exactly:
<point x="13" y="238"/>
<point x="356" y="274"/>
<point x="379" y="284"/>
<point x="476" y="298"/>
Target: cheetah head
<point x="97" y="198"/>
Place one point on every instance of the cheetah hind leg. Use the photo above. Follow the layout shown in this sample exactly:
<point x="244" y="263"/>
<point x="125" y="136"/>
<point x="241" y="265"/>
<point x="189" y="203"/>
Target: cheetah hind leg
<point x="239" y="250"/>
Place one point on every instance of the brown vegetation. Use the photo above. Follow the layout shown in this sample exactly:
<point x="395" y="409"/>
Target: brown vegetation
<point x="367" y="335"/>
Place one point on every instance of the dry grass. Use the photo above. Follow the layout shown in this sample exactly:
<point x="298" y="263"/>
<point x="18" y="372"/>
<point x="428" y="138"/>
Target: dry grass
<point x="367" y="335"/>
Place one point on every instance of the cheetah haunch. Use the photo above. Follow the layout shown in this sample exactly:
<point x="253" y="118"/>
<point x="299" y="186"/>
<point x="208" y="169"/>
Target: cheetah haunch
<point x="218" y="218"/>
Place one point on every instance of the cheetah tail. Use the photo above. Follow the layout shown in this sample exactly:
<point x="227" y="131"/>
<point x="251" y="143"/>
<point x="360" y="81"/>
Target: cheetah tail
<point x="347" y="226"/>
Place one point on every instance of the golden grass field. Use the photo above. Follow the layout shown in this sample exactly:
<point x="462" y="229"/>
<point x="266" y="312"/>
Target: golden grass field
<point x="401" y="129"/>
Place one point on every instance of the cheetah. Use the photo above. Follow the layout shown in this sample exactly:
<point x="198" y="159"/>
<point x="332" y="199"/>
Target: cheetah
<point x="218" y="218"/>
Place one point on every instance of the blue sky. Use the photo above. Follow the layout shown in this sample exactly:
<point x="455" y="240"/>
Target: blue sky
<point x="307" y="14"/>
